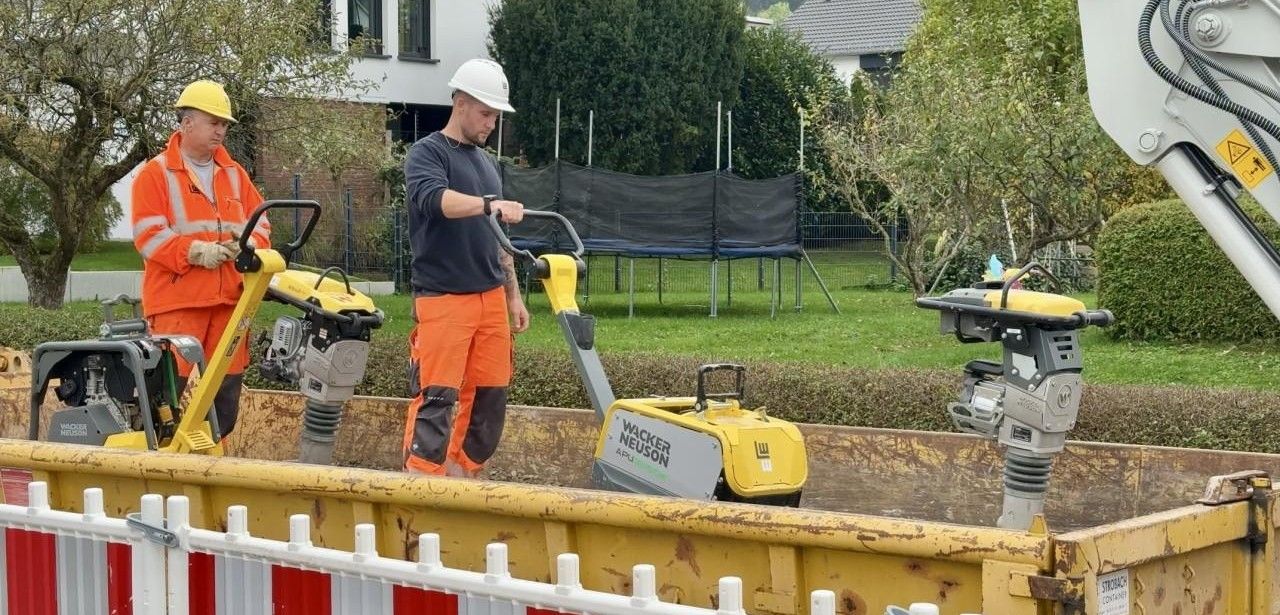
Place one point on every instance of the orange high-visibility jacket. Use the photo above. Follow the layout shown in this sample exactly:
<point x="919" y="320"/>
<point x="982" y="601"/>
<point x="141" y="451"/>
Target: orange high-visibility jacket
<point x="170" y="211"/>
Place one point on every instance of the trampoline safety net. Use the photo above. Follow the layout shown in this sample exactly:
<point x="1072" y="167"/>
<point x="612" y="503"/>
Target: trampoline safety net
<point x="700" y="215"/>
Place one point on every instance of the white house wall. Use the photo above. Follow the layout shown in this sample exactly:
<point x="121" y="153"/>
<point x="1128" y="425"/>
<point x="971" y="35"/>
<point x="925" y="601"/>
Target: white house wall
<point x="846" y="66"/>
<point x="459" y="32"/>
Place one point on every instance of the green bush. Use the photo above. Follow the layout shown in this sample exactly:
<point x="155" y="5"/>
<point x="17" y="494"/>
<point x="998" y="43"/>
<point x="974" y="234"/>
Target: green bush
<point x="1223" y="419"/>
<point x="782" y="75"/>
<point x="1165" y="279"/>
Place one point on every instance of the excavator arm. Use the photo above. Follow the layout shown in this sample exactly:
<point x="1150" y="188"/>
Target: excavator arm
<point x="1193" y="88"/>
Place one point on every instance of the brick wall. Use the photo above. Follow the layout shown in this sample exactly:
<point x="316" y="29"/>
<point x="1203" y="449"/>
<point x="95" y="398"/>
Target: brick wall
<point x="280" y="155"/>
<point x="345" y="156"/>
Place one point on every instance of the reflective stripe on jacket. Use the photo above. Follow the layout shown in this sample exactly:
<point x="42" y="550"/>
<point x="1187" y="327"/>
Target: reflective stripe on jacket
<point x="170" y="211"/>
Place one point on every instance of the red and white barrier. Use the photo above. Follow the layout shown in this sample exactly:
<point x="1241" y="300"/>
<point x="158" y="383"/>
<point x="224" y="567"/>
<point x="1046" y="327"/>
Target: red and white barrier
<point x="237" y="572"/>
<point x="58" y="563"/>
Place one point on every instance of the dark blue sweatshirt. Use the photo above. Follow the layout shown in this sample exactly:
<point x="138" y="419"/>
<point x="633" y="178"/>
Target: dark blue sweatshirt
<point x="458" y="255"/>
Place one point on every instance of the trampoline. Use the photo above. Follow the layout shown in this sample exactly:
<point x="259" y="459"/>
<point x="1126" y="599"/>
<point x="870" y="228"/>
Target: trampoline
<point x="714" y="216"/>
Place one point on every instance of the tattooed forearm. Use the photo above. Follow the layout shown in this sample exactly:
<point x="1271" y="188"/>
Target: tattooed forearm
<point x="510" y="283"/>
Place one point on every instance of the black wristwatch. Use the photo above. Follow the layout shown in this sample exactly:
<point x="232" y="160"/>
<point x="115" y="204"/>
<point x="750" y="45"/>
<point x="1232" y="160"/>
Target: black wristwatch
<point x="488" y="200"/>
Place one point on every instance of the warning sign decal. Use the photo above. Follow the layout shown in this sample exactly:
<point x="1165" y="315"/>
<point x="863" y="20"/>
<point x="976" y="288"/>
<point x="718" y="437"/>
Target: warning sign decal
<point x="1248" y="163"/>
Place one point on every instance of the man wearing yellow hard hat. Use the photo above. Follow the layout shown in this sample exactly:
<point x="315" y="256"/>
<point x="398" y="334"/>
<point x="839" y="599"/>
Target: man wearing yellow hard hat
<point x="190" y="205"/>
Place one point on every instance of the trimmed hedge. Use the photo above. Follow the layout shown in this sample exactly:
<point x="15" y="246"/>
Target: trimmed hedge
<point x="1165" y="279"/>
<point x="1225" y="419"/>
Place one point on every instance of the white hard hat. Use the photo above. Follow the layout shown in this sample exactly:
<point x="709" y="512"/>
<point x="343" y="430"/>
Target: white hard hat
<point x="484" y="80"/>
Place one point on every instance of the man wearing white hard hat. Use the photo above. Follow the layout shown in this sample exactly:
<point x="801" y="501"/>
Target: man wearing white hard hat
<point x="466" y="298"/>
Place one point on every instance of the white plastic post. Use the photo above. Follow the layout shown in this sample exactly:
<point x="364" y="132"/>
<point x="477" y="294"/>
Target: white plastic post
<point x="37" y="497"/>
<point x="150" y="590"/>
<point x="801" y="138"/>
<point x="178" y="589"/>
<point x="179" y="512"/>
<point x="299" y="532"/>
<point x="237" y="522"/>
<point x="153" y="509"/>
<point x="731" y="596"/>
<point x="729" y="113"/>
<point x="557" y="128"/>
<point x="591" y="133"/>
<point x="567" y="577"/>
<point x="643" y="584"/>
<point x="366" y="543"/>
<point x="718" y="104"/>
<point x="495" y="562"/>
<point x="822" y="602"/>
<point x="93" y="509"/>
<point x="428" y="551"/>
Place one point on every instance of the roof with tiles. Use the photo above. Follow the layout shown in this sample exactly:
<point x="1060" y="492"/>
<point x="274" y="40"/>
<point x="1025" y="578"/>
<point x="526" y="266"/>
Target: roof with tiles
<point x="855" y="27"/>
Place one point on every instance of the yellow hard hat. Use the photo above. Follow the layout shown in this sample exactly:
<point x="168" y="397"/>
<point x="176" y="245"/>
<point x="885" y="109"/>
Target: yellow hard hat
<point x="207" y="96"/>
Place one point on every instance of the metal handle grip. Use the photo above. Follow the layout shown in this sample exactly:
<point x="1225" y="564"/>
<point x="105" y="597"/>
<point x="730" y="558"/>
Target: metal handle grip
<point x="1097" y="318"/>
<point x="703" y="396"/>
<point x="108" y="307"/>
<point x="496" y="217"/>
<point x="288" y="249"/>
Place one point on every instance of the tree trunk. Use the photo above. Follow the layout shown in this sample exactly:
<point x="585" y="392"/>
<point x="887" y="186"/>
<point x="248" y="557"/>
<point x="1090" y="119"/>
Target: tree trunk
<point x="45" y="287"/>
<point x="47" y="273"/>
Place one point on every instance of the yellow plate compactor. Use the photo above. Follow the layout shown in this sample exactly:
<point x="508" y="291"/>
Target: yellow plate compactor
<point x="122" y="391"/>
<point x="708" y="447"/>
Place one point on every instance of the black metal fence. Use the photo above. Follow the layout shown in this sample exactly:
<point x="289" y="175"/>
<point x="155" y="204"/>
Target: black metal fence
<point x="361" y="240"/>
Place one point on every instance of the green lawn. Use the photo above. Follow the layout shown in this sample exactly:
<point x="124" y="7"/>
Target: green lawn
<point x="112" y="256"/>
<point x="122" y="256"/>
<point x="840" y="269"/>
<point x="876" y="329"/>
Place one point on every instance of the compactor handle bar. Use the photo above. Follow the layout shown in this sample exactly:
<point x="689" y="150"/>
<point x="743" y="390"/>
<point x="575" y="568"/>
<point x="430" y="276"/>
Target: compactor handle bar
<point x="496" y="217"/>
<point x="1077" y="320"/>
<point x="702" y="395"/>
<point x="128" y="326"/>
<point x="247" y="261"/>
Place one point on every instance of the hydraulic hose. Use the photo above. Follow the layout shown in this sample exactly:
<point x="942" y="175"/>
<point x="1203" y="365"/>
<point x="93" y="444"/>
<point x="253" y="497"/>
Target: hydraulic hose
<point x="1183" y="21"/>
<point x="1198" y="66"/>
<point x="1153" y="60"/>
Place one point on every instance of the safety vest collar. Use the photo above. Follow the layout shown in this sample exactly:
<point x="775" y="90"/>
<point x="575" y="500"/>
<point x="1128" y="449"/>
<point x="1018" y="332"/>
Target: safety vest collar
<point x="175" y="176"/>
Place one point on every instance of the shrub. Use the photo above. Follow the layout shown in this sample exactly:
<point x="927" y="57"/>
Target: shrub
<point x="1165" y="279"/>
<point x="1225" y="419"/>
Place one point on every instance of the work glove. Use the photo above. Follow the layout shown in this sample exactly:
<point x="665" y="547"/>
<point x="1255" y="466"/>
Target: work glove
<point x="233" y="245"/>
<point x="207" y="254"/>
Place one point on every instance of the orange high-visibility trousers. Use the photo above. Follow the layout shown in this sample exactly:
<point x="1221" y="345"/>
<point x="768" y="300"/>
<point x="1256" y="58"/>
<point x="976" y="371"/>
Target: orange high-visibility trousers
<point x="207" y="325"/>
<point x="460" y="353"/>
